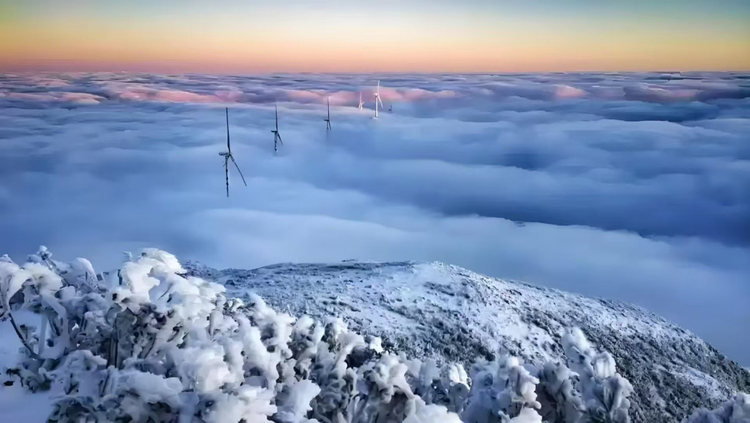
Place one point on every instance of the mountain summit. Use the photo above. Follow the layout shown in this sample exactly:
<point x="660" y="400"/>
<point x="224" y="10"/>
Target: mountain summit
<point x="435" y="310"/>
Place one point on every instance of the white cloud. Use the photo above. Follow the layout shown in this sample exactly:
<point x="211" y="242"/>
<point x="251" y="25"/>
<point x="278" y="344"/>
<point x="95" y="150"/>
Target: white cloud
<point x="611" y="185"/>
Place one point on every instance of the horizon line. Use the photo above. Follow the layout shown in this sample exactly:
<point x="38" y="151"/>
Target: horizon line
<point x="394" y="72"/>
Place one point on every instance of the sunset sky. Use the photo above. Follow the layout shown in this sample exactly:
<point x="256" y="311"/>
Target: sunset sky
<point x="374" y="36"/>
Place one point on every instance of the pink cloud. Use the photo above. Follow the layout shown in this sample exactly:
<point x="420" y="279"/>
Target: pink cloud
<point x="138" y="92"/>
<point x="83" y="98"/>
<point x="646" y="92"/>
<point x="80" y="98"/>
<point x="566" y="91"/>
<point x="48" y="82"/>
<point x="309" y="96"/>
<point x="413" y="94"/>
<point x="344" y="98"/>
<point x="131" y="91"/>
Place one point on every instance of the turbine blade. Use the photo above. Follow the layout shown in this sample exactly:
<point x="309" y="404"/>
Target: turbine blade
<point x="226" y="172"/>
<point x="229" y="149"/>
<point x="381" y="102"/>
<point x="276" y="106"/>
<point x="280" y="141"/>
<point x="238" y="170"/>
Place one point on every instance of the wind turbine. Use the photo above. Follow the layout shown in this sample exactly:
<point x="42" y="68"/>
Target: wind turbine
<point x="228" y="156"/>
<point x="276" y="135"/>
<point x="361" y="103"/>
<point x="328" y="119"/>
<point x="378" y="100"/>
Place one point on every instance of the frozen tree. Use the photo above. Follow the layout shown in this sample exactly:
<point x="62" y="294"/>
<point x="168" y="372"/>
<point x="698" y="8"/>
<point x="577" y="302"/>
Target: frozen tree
<point x="604" y="392"/>
<point x="736" y="410"/>
<point x="294" y="402"/>
<point x="385" y="395"/>
<point x="447" y="386"/>
<point x="501" y="390"/>
<point x="561" y="402"/>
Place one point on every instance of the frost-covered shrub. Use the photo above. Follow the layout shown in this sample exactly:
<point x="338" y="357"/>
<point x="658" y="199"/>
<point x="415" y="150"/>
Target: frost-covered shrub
<point x="149" y="344"/>
<point x="501" y="389"/>
<point x="560" y="401"/>
<point x="604" y="392"/>
<point x="736" y="410"/>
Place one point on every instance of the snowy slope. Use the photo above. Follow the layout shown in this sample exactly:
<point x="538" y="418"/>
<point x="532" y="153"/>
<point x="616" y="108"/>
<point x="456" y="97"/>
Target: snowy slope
<point x="433" y="309"/>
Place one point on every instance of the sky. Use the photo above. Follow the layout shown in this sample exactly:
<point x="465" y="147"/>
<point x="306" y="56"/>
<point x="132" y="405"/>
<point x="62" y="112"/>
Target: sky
<point x="626" y="186"/>
<point x="256" y="36"/>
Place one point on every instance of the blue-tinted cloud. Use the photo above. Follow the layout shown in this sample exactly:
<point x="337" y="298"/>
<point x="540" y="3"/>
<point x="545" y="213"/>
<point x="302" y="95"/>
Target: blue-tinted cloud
<point x="629" y="186"/>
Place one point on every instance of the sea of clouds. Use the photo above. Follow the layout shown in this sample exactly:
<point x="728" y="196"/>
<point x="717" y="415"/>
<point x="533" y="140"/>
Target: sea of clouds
<point x="627" y="186"/>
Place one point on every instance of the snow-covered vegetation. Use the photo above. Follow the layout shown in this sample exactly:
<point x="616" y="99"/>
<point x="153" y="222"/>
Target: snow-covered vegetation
<point x="149" y="343"/>
<point x="736" y="410"/>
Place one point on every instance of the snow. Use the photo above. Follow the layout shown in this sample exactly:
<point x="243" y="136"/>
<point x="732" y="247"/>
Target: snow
<point x="440" y="311"/>
<point x="297" y="403"/>
<point x="736" y="410"/>
<point x="702" y="380"/>
<point x="527" y="416"/>
<point x="404" y="300"/>
<point x="18" y="404"/>
<point x="155" y="341"/>
<point x="153" y="344"/>
<point x="151" y="388"/>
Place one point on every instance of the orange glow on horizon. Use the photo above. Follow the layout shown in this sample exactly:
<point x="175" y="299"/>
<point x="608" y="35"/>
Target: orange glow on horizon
<point x="317" y="43"/>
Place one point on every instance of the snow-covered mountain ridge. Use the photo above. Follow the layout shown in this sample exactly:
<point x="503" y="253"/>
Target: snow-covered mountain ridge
<point x="443" y="311"/>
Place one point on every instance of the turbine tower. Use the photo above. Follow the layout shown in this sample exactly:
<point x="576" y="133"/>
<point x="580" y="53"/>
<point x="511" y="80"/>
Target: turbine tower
<point x="328" y="119"/>
<point x="361" y="103"/>
<point x="228" y="156"/>
<point x="378" y="100"/>
<point x="276" y="135"/>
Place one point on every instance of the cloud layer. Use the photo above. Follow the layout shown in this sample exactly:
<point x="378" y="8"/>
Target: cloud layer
<point x="627" y="186"/>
